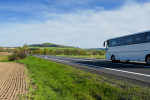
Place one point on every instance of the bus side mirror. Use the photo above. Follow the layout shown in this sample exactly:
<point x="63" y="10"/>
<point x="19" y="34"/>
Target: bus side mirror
<point x="104" y="43"/>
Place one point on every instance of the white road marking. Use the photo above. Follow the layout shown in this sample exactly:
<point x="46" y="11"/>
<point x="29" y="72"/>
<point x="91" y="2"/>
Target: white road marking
<point x="129" y="72"/>
<point x="56" y="59"/>
<point x="121" y="70"/>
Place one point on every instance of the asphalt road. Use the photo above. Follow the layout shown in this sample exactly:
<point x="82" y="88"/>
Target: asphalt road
<point x="134" y="70"/>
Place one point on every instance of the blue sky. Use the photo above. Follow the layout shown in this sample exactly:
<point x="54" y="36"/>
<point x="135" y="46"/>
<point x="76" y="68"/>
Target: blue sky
<point x="22" y="10"/>
<point x="80" y="23"/>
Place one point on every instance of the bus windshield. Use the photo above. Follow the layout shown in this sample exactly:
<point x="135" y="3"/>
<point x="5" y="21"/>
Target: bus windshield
<point x="106" y="44"/>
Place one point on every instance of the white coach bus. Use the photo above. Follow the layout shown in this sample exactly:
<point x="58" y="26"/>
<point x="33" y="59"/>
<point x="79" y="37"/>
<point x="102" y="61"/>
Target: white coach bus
<point x="134" y="47"/>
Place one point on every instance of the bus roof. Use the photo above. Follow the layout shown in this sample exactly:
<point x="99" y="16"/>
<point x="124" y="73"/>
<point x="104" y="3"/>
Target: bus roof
<point x="130" y="34"/>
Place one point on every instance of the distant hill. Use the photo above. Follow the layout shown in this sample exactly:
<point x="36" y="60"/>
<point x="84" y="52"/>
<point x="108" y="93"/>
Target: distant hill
<point x="50" y="45"/>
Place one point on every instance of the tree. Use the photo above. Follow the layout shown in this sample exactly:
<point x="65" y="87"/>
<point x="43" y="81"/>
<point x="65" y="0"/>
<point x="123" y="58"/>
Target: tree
<point x="39" y="51"/>
<point x="46" y="51"/>
<point x="58" y="52"/>
<point x="95" y="52"/>
<point x="67" y="52"/>
<point x="51" y="52"/>
<point x="101" y="52"/>
<point x="25" y="49"/>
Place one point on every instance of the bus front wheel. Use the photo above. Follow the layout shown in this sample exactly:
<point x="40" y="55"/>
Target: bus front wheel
<point x="148" y="60"/>
<point x="113" y="58"/>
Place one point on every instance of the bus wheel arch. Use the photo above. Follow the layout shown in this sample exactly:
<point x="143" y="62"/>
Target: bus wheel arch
<point x="113" y="58"/>
<point x="147" y="59"/>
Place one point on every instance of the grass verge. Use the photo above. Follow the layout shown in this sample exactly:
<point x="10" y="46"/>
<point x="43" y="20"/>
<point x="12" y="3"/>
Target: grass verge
<point x="53" y="81"/>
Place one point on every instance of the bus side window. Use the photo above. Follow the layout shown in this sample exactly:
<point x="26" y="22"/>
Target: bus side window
<point x="121" y="41"/>
<point x="139" y="38"/>
<point x="112" y="42"/>
<point x="148" y="37"/>
<point x="129" y="39"/>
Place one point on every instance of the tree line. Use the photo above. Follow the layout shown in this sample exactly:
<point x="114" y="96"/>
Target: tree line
<point x="66" y="52"/>
<point x="50" y="45"/>
<point x="22" y="52"/>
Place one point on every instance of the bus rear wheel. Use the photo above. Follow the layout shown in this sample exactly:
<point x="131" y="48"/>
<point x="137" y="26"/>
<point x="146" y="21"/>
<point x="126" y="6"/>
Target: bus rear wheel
<point x="148" y="60"/>
<point x="113" y="58"/>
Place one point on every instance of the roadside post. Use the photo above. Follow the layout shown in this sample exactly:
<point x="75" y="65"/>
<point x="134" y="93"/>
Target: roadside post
<point x="46" y="57"/>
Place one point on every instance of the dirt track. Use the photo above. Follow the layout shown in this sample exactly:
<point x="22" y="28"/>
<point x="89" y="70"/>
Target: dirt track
<point x="12" y="81"/>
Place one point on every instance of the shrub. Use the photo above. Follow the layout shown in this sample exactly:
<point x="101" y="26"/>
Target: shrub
<point x="11" y="57"/>
<point x="19" y="53"/>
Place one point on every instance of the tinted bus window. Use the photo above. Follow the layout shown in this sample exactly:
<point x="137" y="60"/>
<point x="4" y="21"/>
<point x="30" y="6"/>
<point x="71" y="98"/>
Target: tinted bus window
<point x="148" y="37"/>
<point x="112" y="42"/>
<point x="139" y="38"/>
<point x="121" y="41"/>
<point x="130" y="39"/>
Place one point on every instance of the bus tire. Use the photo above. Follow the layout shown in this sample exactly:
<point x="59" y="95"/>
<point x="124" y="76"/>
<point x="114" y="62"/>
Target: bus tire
<point x="113" y="58"/>
<point x="118" y="61"/>
<point x="127" y="61"/>
<point x="147" y="59"/>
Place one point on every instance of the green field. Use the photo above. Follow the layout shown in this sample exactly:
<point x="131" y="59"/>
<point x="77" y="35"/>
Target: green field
<point x="85" y="56"/>
<point x="53" y="81"/>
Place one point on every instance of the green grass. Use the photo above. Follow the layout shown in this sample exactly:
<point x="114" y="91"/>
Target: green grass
<point x="3" y="58"/>
<point x="53" y="81"/>
<point x="85" y="56"/>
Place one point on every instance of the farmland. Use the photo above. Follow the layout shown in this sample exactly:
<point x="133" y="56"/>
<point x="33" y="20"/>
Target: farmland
<point x="5" y="53"/>
<point x="4" y="56"/>
<point x="13" y="81"/>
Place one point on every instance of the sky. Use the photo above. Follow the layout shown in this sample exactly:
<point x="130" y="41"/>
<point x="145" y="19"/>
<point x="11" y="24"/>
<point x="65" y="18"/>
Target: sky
<point x="78" y="23"/>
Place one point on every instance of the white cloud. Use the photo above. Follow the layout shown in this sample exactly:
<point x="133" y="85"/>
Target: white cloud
<point x="86" y="28"/>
